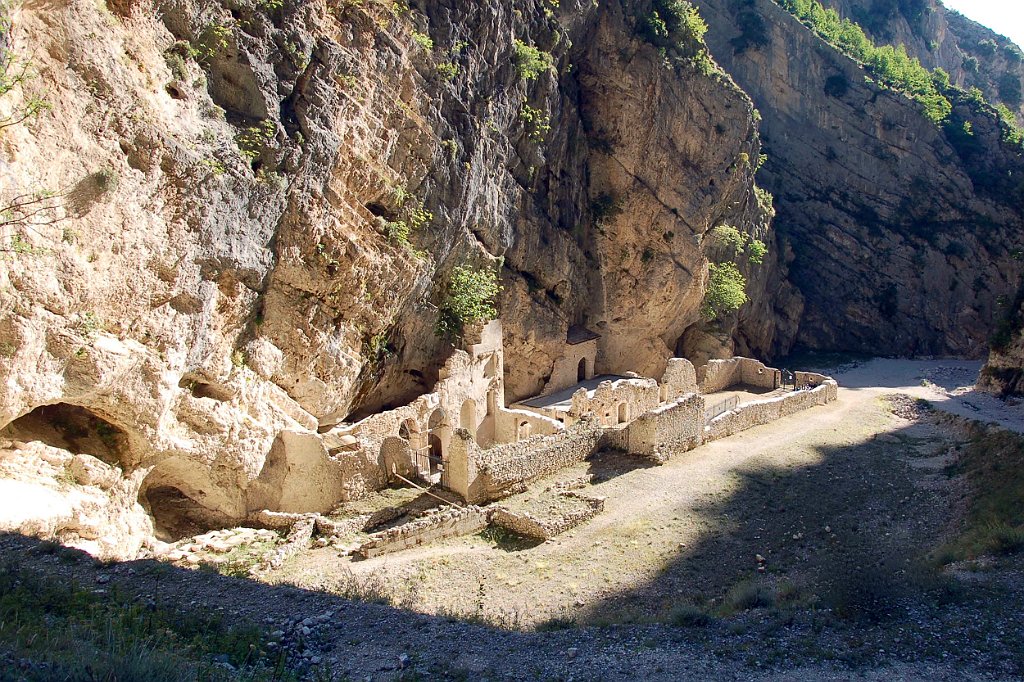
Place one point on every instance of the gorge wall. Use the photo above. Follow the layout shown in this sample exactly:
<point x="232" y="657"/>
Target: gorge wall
<point x="900" y="234"/>
<point x="246" y="212"/>
<point x="249" y="210"/>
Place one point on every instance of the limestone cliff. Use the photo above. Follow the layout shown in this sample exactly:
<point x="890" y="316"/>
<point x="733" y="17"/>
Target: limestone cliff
<point x="256" y="205"/>
<point x="898" y="233"/>
<point x="972" y="54"/>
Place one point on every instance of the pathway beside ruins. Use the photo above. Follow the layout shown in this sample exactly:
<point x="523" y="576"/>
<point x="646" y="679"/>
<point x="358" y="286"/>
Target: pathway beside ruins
<point x="830" y="487"/>
<point x="653" y="516"/>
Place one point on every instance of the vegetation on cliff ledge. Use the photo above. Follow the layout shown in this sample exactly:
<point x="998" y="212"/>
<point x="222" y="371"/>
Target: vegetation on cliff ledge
<point x="726" y="291"/>
<point x="469" y="298"/>
<point x="891" y="66"/>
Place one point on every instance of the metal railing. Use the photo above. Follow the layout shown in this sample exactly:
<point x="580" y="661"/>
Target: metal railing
<point x="720" y="408"/>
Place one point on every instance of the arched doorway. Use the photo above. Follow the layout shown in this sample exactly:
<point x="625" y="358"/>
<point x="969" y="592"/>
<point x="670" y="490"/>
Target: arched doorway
<point x="623" y="413"/>
<point x="581" y="370"/>
<point x="407" y="429"/>
<point x="523" y="431"/>
<point x="436" y="456"/>
<point x="439" y="433"/>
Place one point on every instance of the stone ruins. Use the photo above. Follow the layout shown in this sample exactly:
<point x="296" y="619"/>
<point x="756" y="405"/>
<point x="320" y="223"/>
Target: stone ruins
<point x="464" y="439"/>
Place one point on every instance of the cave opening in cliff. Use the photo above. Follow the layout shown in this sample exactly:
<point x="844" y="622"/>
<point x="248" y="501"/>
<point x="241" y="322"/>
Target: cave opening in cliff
<point x="176" y="515"/>
<point x="72" y="428"/>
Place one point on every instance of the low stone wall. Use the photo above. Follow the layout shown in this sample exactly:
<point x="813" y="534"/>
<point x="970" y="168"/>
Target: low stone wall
<point x="529" y="525"/>
<point x="719" y="375"/>
<point x="503" y="468"/>
<point x="445" y="522"/>
<point x="810" y="379"/>
<point x="766" y="411"/>
<point x="676" y="426"/>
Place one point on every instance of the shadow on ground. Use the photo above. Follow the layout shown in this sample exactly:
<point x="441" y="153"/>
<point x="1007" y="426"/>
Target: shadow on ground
<point x="833" y="561"/>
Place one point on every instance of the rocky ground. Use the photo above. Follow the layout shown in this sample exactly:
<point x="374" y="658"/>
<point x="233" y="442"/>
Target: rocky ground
<point x="805" y="549"/>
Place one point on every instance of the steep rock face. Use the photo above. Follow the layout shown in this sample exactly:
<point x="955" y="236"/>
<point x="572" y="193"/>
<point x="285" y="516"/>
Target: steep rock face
<point x="1003" y="374"/>
<point x="898" y="234"/>
<point x="972" y="54"/>
<point x="229" y="262"/>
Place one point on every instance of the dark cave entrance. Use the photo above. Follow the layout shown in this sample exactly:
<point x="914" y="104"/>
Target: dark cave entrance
<point x="75" y="429"/>
<point x="176" y="515"/>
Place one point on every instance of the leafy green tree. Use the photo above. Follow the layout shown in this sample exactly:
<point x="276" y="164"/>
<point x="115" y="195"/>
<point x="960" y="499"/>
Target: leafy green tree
<point x="725" y="293"/>
<point x="470" y="297"/>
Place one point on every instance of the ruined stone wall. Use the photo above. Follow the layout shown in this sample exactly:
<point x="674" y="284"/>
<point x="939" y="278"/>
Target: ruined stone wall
<point x="765" y="411"/>
<point x="810" y="379"/>
<point x="679" y="378"/>
<point x="529" y="525"/>
<point x="718" y="375"/>
<point x="676" y="426"/>
<point x="446" y="522"/>
<point x="637" y="395"/>
<point x="480" y="475"/>
<point x="509" y="425"/>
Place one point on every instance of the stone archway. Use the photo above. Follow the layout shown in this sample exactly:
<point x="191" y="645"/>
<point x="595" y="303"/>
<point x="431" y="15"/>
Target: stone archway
<point x="623" y="415"/>
<point x="439" y="433"/>
<point x="581" y="370"/>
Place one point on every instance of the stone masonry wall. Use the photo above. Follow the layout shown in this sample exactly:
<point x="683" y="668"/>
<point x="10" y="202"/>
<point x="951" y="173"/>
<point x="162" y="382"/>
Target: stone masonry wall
<point x="765" y="411"/>
<point x="504" y="467"/>
<point x="718" y="375"/>
<point x="676" y="426"/>
<point x="443" y="523"/>
<point x="528" y="525"/>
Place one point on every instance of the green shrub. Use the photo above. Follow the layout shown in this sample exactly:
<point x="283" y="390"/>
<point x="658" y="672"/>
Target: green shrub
<point x="537" y="123"/>
<point x="448" y="70"/>
<point x="725" y="293"/>
<point x="1009" y="89"/>
<point x="729" y="237"/>
<point x="253" y="139"/>
<point x="751" y="594"/>
<point x="397" y="231"/>
<point x="211" y="40"/>
<point x="690" y="616"/>
<point x="674" y="25"/>
<point x="756" y="249"/>
<point x="423" y="40"/>
<point x="469" y="297"/>
<point x="1012" y="133"/>
<point x="530" y="61"/>
<point x="987" y="47"/>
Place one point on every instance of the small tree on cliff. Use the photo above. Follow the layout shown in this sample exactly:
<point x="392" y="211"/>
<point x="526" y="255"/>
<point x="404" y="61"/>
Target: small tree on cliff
<point x="469" y="297"/>
<point x="725" y="292"/>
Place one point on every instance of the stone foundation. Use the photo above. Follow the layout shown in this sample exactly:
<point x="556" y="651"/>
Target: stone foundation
<point x="446" y="522"/>
<point x="534" y="526"/>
